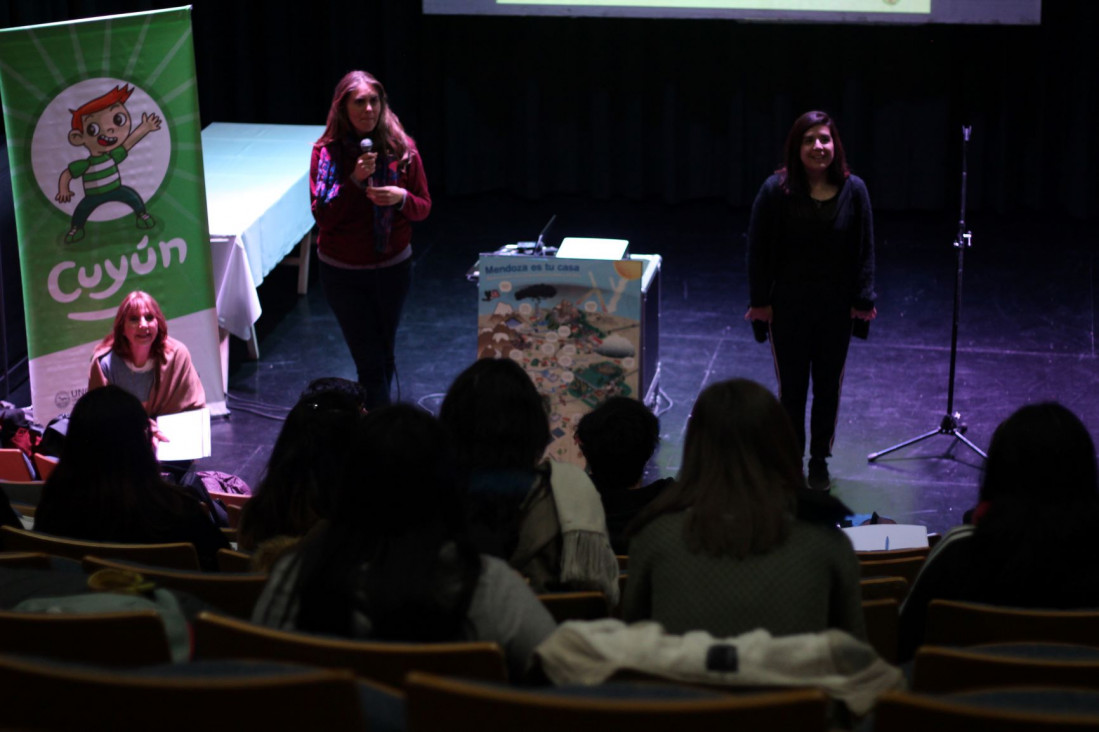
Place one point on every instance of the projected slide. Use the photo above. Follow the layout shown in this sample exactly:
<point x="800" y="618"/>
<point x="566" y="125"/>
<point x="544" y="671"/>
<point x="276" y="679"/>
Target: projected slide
<point x="998" y="12"/>
<point x="831" y="6"/>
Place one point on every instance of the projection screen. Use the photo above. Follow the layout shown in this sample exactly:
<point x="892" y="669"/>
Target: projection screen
<point x="995" y="12"/>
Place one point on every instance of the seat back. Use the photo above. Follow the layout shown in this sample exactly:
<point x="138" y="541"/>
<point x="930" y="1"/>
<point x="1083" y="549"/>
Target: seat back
<point x="235" y="594"/>
<point x="905" y="712"/>
<point x="575" y="605"/>
<point x="907" y="567"/>
<point x="938" y="669"/>
<point x="884" y="588"/>
<point x="59" y="697"/>
<point x="233" y="561"/>
<point x="230" y="499"/>
<point x="232" y="512"/>
<point x="13" y="465"/>
<point x="954" y="623"/>
<point x="883" y="626"/>
<point x="217" y="636"/>
<point x="25" y="560"/>
<point x="128" y="638"/>
<point x="886" y="554"/>
<point x="177" y="555"/>
<point x="433" y="703"/>
<point x="28" y="492"/>
<point x="44" y="464"/>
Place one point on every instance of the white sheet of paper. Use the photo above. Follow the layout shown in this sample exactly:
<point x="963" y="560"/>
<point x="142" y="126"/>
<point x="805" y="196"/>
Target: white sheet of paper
<point x="578" y="247"/>
<point x="188" y="434"/>
<point x="879" y="537"/>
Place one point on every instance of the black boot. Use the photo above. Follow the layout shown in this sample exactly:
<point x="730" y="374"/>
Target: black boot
<point x="819" y="479"/>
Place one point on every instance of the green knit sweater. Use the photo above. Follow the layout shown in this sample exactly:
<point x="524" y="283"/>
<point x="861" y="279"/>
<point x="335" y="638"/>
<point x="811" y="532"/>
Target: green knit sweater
<point x="808" y="583"/>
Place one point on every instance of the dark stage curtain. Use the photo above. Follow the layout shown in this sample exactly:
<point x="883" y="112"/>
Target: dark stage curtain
<point x="678" y="110"/>
<point x="670" y="111"/>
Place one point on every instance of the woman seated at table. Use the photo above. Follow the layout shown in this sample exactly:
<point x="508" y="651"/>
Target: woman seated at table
<point x="139" y="356"/>
<point x="393" y="562"/>
<point x="722" y="549"/>
<point x="108" y="487"/>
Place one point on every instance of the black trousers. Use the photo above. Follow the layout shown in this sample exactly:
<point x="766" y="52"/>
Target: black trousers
<point x="367" y="304"/>
<point x="809" y="341"/>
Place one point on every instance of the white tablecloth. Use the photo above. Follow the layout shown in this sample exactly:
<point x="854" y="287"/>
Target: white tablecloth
<point x="257" y="200"/>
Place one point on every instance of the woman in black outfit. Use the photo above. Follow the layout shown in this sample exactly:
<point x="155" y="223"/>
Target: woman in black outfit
<point x="811" y="276"/>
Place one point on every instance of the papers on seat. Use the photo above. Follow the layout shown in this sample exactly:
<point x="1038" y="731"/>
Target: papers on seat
<point x="881" y="537"/>
<point x="188" y="434"/>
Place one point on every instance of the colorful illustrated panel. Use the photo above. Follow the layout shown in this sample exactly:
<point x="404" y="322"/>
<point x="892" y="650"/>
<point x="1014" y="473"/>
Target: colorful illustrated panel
<point x="573" y="324"/>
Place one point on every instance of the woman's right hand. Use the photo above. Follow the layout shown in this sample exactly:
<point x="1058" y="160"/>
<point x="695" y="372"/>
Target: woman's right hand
<point x="763" y="313"/>
<point x="364" y="167"/>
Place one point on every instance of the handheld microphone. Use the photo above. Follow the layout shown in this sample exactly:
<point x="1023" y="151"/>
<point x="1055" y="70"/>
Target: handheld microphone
<point x="366" y="145"/>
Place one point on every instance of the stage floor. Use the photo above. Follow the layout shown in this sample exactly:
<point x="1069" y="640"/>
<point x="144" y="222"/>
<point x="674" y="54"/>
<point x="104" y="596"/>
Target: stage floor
<point x="1027" y="333"/>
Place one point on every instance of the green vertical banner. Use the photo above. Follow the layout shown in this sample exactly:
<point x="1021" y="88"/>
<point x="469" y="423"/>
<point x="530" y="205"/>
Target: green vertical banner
<point x="104" y="142"/>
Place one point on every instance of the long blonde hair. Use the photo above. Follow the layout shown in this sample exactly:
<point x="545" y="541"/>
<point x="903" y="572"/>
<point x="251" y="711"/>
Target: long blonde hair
<point x="388" y="136"/>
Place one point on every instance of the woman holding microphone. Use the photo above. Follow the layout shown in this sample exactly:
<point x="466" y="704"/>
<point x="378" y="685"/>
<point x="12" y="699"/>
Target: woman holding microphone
<point x="367" y="186"/>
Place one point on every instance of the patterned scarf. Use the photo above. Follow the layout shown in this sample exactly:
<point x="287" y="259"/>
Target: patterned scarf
<point x="327" y="187"/>
<point x="385" y="174"/>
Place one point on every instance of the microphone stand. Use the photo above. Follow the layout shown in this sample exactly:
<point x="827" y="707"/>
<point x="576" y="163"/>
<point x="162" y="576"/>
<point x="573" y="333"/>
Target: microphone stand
<point x="951" y="423"/>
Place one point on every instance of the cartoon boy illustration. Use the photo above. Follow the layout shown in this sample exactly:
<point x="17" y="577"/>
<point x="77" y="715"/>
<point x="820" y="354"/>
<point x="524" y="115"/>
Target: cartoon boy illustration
<point x="103" y="127"/>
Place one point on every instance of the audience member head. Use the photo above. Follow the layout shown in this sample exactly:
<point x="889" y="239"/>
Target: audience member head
<point x="1042" y="453"/>
<point x="617" y="439"/>
<point x="400" y="476"/>
<point x="305" y="466"/>
<point x="398" y="511"/>
<point x="108" y="446"/>
<point x="740" y="474"/>
<point x="107" y="485"/>
<point x="136" y="307"/>
<point x="793" y="169"/>
<point x="1039" y="509"/>
<point x="353" y="389"/>
<point x="496" y="417"/>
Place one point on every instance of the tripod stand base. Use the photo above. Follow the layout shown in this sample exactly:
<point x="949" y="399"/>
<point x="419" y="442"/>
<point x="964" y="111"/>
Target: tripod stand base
<point x="950" y="426"/>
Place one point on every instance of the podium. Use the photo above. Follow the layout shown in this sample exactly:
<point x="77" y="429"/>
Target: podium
<point x="584" y="329"/>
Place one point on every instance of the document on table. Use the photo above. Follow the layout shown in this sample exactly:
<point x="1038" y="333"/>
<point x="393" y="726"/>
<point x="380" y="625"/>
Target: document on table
<point x="188" y="435"/>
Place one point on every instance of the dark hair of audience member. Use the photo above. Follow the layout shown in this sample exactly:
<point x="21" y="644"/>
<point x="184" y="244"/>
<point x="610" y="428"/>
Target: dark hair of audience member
<point x="740" y="475"/>
<point x="107" y="484"/>
<point x="397" y="507"/>
<point x="352" y="389"/>
<point x="1039" y="499"/>
<point x="305" y="465"/>
<point x="496" y="416"/>
<point x="617" y="438"/>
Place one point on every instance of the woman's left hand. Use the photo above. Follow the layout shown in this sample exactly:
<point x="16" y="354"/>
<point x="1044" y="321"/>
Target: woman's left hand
<point x="866" y="315"/>
<point x="386" y="195"/>
<point x="155" y="435"/>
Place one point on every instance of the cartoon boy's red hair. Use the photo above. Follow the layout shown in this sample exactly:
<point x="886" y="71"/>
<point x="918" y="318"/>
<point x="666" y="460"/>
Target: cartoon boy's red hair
<point x="118" y="95"/>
